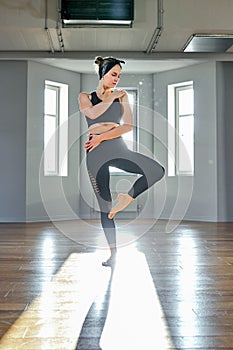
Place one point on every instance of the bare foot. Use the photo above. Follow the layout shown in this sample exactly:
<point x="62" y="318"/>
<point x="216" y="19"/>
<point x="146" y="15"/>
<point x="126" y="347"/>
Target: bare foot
<point x="124" y="200"/>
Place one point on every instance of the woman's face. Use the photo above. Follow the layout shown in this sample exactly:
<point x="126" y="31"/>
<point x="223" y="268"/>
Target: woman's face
<point x="112" y="78"/>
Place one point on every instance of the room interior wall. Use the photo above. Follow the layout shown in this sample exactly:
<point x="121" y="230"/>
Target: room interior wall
<point x="225" y="140"/>
<point x="13" y="127"/>
<point x="22" y="140"/>
<point x="51" y="197"/>
<point x="203" y="204"/>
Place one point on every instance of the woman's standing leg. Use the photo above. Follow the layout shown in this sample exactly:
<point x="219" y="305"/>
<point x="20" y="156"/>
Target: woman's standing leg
<point x="100" y="183"/>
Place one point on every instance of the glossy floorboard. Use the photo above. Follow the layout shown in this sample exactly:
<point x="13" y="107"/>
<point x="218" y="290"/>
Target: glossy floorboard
<point x="167" y="290"/>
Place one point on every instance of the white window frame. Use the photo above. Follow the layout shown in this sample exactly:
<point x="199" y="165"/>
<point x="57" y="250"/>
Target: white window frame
<point x="60" y="136"/>
<point x="175" y="144"/>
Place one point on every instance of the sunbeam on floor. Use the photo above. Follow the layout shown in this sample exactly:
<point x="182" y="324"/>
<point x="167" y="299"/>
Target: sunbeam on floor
<point x="133" y="317"/>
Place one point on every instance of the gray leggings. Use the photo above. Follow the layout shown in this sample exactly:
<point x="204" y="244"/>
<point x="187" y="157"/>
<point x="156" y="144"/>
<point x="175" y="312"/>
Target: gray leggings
<point x="115" y="153"/>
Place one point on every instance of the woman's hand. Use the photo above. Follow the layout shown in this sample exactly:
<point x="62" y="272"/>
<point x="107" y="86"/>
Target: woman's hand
<point x="93" y="142"/>
<point x="112" y="95"/>
<point x="118" y="93"/>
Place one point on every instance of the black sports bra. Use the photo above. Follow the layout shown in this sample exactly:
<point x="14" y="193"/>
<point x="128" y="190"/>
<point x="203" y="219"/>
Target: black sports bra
<point x="112" y="114"/>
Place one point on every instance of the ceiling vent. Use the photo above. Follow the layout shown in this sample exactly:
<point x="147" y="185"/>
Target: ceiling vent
<point x="97" y="13"/>
<point x="209" y="43"/>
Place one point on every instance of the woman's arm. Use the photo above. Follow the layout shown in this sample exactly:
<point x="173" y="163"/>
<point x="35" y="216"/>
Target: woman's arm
<point x="127" y="119"/>
<point x="94" y="111"/>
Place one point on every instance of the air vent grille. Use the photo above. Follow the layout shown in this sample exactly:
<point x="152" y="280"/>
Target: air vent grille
<point x="97" y="10"/>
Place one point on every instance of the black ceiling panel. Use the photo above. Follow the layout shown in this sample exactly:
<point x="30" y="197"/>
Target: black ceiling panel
<point x="97" y="9"/>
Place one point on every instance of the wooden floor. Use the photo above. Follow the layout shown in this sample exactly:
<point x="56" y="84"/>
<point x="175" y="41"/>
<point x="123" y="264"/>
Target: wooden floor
<point x="167" y="291"/>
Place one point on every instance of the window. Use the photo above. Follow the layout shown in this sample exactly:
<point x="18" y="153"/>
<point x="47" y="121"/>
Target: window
<point x="55" y="129"/>
<point x="130" y="137"/>
<point x="181" y="129"/>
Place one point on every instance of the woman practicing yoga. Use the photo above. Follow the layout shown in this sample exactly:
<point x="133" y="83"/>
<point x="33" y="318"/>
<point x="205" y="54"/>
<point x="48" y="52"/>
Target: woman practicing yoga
<point x="108" y="115"/>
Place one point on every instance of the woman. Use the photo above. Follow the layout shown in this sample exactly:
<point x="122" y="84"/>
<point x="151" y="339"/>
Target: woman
<point x="108" y="115"/>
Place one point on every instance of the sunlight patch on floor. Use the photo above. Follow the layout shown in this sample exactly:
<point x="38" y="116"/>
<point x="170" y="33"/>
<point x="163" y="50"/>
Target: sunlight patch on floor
<point x="55" y="318"/>
<point x="135" y="318"/>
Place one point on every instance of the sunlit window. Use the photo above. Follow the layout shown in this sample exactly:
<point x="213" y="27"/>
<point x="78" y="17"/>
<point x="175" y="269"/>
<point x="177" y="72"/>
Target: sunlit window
<point x="181" y="129"/>
<point x="130" y="137"/>
<point x="55" y="128"/>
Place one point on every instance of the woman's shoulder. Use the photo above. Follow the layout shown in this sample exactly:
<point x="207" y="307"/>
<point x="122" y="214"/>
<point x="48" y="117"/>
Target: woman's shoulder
<point x="86" y="95"/>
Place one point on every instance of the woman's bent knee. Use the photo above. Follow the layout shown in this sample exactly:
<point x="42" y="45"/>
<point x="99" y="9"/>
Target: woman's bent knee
<point x="163" y="171"/>
<point x="160" y="172"/>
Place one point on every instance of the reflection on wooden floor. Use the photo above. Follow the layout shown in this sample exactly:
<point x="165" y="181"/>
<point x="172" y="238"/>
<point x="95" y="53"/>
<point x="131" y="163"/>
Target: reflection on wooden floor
<point x="167" y="291"/>
<point x="54" y="319"/>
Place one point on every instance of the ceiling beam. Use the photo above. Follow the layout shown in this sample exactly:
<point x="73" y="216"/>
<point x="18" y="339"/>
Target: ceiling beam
<point x="87" y="55"/>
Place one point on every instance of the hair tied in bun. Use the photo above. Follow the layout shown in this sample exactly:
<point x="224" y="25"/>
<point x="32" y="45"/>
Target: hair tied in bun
<point x="99" y="60"/>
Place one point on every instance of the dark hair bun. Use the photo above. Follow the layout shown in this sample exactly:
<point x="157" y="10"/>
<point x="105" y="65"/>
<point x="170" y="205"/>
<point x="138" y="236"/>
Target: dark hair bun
<point x="99" y="60"/>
